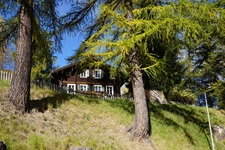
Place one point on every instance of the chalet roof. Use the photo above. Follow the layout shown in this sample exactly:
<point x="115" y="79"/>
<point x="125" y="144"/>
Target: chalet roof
<point x="64" y="67"/>
<point x="76" y="65"/>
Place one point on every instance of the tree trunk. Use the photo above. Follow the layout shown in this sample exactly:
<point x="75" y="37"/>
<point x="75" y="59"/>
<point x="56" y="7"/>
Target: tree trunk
<point x="140" y="127"/>
<point x="19" y="93"/>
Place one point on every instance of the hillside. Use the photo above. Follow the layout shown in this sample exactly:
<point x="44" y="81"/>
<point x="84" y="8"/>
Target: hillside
<point x="60" y="121"/>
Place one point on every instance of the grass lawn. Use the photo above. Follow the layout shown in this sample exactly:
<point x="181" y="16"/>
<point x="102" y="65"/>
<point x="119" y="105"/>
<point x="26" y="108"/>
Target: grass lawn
<point x="60" y="121"/>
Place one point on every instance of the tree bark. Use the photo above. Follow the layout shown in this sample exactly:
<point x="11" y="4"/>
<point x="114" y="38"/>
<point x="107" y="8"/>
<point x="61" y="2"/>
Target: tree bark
<point x="19" y="93"/>
<point x="140" y="127"/>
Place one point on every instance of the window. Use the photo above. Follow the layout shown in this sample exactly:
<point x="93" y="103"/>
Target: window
<point x="84" y="74"/>
<point x="97" y="73"/>
<point x="109" y="90"/>
<point x="83" y="87"/>
<point x="71" y="88"/>
<point x="98" y="88"/>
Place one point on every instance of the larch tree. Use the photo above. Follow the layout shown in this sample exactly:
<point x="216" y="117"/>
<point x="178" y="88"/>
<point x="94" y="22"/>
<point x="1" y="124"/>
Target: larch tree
<point x="43" y="56"/>
<point x="209" y="69"/>
<point x="20" y="85"/>
<point x="140" y="128"/>
<point x="21" y="23"/>
<point x="126" y="30"/>
<point x="6" y="61"/>
<point x="205" y="59"/>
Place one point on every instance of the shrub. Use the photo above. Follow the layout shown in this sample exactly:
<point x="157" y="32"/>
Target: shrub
<point x="183" y="96"/>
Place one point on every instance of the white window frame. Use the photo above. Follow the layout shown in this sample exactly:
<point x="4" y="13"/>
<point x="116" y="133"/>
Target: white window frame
<point x="98" y="73"/>
<point x="73" y="86"/>
<point x="98" y="88"/>
<point x="83" y="89"/>
<point x="112" y="88"/>
<point x="84" y="74"/>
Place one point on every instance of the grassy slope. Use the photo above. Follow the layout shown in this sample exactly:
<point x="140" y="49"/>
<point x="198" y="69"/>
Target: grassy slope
<point x="60" y="121"/>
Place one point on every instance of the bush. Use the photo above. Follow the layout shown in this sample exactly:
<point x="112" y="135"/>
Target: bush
<point x="183" y="96"/>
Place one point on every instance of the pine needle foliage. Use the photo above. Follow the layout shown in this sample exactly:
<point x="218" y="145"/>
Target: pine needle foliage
<point x="181" y="22"/>
<point x="206" y="58"/>
<point x="27" y="13"/>
<point x="42" y="59"/>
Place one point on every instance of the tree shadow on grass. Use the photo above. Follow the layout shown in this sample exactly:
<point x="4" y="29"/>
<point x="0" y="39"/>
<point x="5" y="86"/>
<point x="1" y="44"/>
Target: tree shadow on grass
<point x="43" y="104"/>
<point x="54" y="101"/>
<point x="88" y="99"/>
<point x="158" y="111"/>
<point x="126" y="105"/>
<point x="187" y="113"/>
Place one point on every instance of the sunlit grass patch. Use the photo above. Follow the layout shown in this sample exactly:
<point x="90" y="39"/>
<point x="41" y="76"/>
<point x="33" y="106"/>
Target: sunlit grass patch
<point x="62" y="121"/>
<point x="186" y="126"/>
<point x="37" y="92"/>
<point x="4" y="87"/>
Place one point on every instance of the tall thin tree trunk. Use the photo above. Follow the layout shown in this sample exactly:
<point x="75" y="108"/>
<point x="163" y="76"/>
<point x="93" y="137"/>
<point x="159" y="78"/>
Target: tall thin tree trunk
<point x="19" y="93"/>
<point x="140" y="128"/>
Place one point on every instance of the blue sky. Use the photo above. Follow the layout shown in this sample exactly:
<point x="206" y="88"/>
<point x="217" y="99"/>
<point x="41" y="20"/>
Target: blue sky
<point x="69" y="43"/>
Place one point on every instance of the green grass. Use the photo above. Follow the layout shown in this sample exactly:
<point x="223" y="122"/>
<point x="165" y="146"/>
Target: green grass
<point x="4" y="84"/>
<point x="185" y="126"/>
<point x="4" y="89"/>
<point x="60" y="121"/>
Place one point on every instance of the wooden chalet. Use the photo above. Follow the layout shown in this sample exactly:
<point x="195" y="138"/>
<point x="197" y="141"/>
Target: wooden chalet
<point x="77" y="80"/>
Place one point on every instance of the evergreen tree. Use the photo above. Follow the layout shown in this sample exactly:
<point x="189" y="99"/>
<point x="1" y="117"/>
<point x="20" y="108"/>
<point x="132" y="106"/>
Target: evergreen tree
<point x="6" y="62"/>
<point x="24" y="14"/>
<point x="125" y="34"/>
<point x="210" y="68"/>
<point x="206" y="58"/>
<point x="42" y="59"/>
<point x="171" y="68"/>
<point x="6" y="59"/>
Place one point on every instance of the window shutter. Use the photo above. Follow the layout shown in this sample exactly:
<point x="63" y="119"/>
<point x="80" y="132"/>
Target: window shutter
<point x="87" y="73"/>
<point x="94" y="73"/>
<point x="102" y="73"/>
